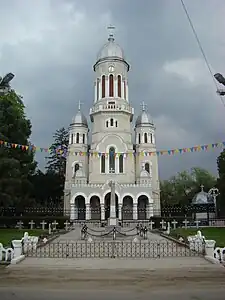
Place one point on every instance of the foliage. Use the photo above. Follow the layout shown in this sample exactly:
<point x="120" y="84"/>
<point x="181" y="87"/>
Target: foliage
<point x="48" y="188"/>
<point x="56" y="162"/>
<point x="221" y="182"/>
<point x="16" y="165"/>
<point x="180" y="189"/>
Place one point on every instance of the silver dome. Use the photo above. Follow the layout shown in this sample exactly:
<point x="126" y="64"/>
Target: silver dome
<point x="79" y="119"/>
<point x="144" y="118"/>
<point x="202" y="198"/>
<point x="110" y="49"/>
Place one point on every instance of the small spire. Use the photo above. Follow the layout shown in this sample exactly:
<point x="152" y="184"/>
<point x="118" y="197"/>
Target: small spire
<point x="202" y="187"/>
<point x="79" y="105"/>
<point x="111" y="29"/>
<point x="143" y="106"/>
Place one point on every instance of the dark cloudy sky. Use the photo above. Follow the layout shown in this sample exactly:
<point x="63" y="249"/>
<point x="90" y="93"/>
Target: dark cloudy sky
<point x="51" y="46"/>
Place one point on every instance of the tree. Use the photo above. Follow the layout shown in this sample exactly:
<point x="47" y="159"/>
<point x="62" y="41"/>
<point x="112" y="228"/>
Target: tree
<point x="16" y="164"/>
<point x="221" y="182"/>
<point x="56" y="161"/>
<point x="181" y="188"/>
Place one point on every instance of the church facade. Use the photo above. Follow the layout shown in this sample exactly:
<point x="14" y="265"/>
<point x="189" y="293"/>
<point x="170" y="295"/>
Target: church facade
<point x="111" y="150"/>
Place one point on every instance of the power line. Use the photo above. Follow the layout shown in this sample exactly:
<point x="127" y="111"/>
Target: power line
<point x="201" y="48"/>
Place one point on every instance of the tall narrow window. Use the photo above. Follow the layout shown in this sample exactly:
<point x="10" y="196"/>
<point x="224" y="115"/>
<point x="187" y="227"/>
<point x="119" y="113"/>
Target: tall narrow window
<point x="103" y="86"/>
<point x="116" y="123"/>
<point x="76" y="168"/>
<point x="77" y="138"/>
<point x="121" y="163"/>
<point x="107" y="123"/>
<point x="97" y="89"/>
<point x="103" y="164"/>
<point x="145" y="138"/>
<point x="139" y="138"/>
<point x="71" y="138"/>
<point x="112" y="160"/>
<point x="119" y="85"/>
<point x="111" y="122"/>
<point x="111" y="86"/>
<point x="147" y="167"/>
<point x="151" y="138"/>
<point x="83" y="138"/>
<point x="125" y="92"/>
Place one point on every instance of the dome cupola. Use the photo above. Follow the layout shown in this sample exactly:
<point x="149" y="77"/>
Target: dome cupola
<point x="144" y="119"/>
<point x="79" y="119"/>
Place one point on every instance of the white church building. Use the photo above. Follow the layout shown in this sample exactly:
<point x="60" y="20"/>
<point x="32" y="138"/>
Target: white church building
<point x="112" y="149"/>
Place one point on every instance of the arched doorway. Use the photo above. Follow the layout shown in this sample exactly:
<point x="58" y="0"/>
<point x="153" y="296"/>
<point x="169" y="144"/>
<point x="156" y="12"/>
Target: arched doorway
<point x="127" y="209"/>
<point x="107" y="206"/>
<point x="80" y="207"/>
<point x="142" y="207"/>
<point x="95" y="208"/>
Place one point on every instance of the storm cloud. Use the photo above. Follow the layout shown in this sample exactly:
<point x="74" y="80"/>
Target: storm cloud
<point x="51" y="47"/>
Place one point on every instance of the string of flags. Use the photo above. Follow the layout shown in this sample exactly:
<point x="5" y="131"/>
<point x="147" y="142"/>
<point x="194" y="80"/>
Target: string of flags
<point x="63" y="150"/>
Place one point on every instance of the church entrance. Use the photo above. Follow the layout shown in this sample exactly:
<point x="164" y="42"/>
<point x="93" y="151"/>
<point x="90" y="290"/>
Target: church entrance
<point x="107" y="206"/>
<point x="95" y="208"/>
<point x="80" y="207"/>
<point x="142" y="207"/>
<point x="127" y="209"/>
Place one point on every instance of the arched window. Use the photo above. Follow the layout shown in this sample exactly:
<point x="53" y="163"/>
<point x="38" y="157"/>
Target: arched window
<point x="124" y="86"/>
<point x="119" y="85"/>
<point x="103" y="86"/>
<point x="71" y="138"/>
<point x="147" y="167"/>
<point x="111" y="86"/>
<point x="121" y="163"/>
<point x="103" y="163"/>
<point x="116" y="123"/>
<point x="145" y="138"/>
<point x="111" y="122"/>
<point x="76" y="168"/>
<point x="112" y="160"/>
<point x="83" y="138"/>
<point x="139" y="138"/>
<point x="151" y="136"/>
<point x="97" y="89"/>
<point x="107" y="123"/>
<point x="77" y="138"/>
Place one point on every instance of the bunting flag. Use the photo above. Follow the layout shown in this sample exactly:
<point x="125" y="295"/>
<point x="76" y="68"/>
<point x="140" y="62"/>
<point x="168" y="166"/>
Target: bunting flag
<point x="63" y="150"/>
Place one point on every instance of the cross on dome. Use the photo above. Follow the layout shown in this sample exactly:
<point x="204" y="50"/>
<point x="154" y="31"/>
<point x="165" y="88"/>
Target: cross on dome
<point x="111" y="29"/>
<point x="79" y="105"/>
<point x="143" y="106"/>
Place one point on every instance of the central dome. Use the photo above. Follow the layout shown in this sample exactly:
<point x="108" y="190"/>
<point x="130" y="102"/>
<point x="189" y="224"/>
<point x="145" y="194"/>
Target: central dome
<point x="110" y="49"/>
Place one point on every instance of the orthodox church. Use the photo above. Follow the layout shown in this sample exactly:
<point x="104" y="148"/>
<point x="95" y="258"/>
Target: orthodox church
<point x="109" y="151"/>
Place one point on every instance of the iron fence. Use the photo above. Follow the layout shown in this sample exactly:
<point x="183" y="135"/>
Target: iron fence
<point x="113" y="249"/>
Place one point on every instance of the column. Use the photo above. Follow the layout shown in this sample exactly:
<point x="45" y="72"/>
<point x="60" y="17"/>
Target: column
<point x="149" y="211"/>
<point x="75" y="212"/>
<point x="72" y="211"/>
<point x="120" y="211"/>
<point x="122" y="88"/>
<point x="106" y="86"/>
<point x="102" y="212"/>
<point x="127" y="92"/>
<point x="115" y="87"/>
<point x="117" y="164"/>
<point x="95" y="85"/>
<point x="100" y="88"/>
<point x="135" y="211"/>
<point x="88" y="212"/>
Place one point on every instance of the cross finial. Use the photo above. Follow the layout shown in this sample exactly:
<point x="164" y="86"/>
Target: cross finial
<point x="111" y="29"/>
<point x="202" y="187"/>
<point x="143" y="106"/>
<point x="79" y="105"/>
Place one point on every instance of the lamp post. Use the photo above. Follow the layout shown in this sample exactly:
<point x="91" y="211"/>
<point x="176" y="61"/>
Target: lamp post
<point x="214" y="192"/>
<point x="4" y="84"/>
<point x="219" y="77"/>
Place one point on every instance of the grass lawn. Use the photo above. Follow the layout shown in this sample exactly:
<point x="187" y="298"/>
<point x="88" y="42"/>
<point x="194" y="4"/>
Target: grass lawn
<point x="211" y="233"/>
<point x="7" y="235"/>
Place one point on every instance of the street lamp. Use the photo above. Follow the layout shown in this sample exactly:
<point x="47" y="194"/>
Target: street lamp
<point x="219" y="77"/>
<point x="214" y="192"/>
<point x="4" y="83"/>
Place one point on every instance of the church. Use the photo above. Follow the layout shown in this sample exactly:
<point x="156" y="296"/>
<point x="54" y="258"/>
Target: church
<point x="113" y="149"/>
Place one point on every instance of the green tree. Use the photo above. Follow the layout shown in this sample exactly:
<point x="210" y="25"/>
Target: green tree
<point x="16" y="164"/>
<point x="221" y="182"/>
<point x="56" y="161"/>
<point x="181" y="188"/>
